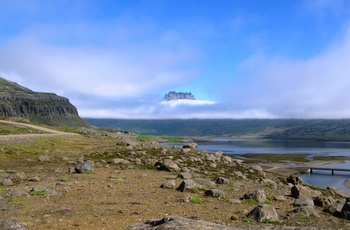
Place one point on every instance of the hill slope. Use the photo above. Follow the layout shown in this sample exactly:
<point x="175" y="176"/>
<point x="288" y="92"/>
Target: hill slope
<point x="276" y="129"/>
<point x="44" y="108"/>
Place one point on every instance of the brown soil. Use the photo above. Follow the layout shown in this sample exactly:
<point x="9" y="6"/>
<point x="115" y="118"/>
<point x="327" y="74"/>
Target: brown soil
<point x="117" y="196"/>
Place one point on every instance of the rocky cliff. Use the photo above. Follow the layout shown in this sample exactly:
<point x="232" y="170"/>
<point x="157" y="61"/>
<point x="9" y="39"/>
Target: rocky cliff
<point x="172" y="95"/>
<point x="44" y="108"/>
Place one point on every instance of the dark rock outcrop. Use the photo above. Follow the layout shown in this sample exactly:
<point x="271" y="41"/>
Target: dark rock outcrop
<point x="44" y="108"/>
<point x="172" y="95"/>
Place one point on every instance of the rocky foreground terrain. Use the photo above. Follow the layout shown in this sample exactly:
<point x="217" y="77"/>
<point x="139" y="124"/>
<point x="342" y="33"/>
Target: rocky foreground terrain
<point x="99" y="180"/>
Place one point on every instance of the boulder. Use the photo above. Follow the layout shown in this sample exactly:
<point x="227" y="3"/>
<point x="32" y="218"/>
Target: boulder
<point x="345" y="211"/>
<point x="222" y="180"/>
<point x="323" y="201"/>
<point x="170" y="184"/>
<point x="119" y="161"/>
<point x="335" y="207"/>
<point x="258" y="195"/>
<point x="215" y="193"/>
<point x="188" y="185"/>
<point x="11" y="224"/>
<point x="304" y="202"/>
<point x="190" y="146"/>
<point x="264" y="212"/>
<point x="303" y="191"/>
<point x="294" y="179"/>
<point x="85" y="167"/>
<point x="176" y="222"/>
<point x="44" y="158"/>
<point x="185" y="175"/>
<point x="305" y="206"/>
<point x="168" y="165"/>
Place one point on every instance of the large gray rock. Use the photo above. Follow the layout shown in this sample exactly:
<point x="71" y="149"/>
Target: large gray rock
<point x="215" y="193"/>
<point x="264" y="212"/>
<point x="335" y="208"/>
<point x="305" y="206"/>
<point x="303" y="191"/>
<point x="345" y="211"/>
<point x="190" y="146"/>
<point x="168" y="165"/>
<point x="85" y="167"/>
<point x="258" y="195"/>
<point x="222" y="180"/>
<point x="10" y="224"/>
<point x="177" y="223"/>
<point x="170" y="184"/>
<point x="294" y="179"/>
<point x="188" y="185"/>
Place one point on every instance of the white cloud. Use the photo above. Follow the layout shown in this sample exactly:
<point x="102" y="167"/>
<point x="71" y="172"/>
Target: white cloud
<point x="175" y="103"/>
<point x="312" y="88"/>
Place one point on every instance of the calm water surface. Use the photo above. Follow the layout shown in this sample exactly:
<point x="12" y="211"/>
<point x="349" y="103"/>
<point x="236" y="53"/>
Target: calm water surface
<point x="310" y="148"/>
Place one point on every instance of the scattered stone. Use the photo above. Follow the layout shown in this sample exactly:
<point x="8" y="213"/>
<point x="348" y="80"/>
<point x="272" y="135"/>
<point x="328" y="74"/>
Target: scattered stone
<point x="11" y="224"/>
<point x="46" y="191"/>
<point x="18" y="193"/>
<point x="205" y="182"/>
<point x="335" y="208"/>
<point x="44" y="158"/>
<point x="190" y="146"/>
<point x="188" y="185"/>
<point x="120" y="161"/>
<point x="345" y="211"/>
<point x="305" y="206"/>
<point x="168" y="165"/>
<point x="264" y="212"/>
<point x="279" y="198"/>
<point x="185" y="175"/>
<point x="7" y="182"/>
<point x="35" y="179"/>
<point x="258" y="195"/>
<point x="222" y="180"/>
<point x="227" y="160"/>
<point x="304" y="202"/>
<point x="64" y="159"/>
<point x="258" y="170"/>
<point x="218" y="154"/>
<point x="303" y="191"/>
<point x="170" y="184"/>
<point x="294" y="179"/>
<point x="307" y="211"/>
<point x="175" y="222"/>
<point x="215" y="193"/>
<point x="235" y="201"/>
<point x="85" y="167"/>
<point x="185" y="198"/>
<point x="269" y="183"/>
<point x="323" y="201"/>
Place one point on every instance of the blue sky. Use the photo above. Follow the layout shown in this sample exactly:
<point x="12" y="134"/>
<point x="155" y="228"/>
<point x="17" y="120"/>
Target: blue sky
<point x="241" y="59"/>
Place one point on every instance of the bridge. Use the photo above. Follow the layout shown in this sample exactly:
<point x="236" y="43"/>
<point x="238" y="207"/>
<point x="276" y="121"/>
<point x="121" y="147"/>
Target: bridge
<point x="329" y="169"/>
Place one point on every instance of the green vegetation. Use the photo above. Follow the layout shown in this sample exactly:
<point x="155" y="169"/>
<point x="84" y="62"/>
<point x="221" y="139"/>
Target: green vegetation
<point x="8" y="129"/>
<point x="144" y="137"/>
<point x="249" y="201"/>
<point x="38" y="193"/>
<point x="196" y="200"/>
<point x="268" y="221"/>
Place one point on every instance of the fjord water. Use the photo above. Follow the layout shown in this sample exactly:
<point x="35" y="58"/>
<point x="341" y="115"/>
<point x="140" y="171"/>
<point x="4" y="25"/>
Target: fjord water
<point x="239" y="148"/>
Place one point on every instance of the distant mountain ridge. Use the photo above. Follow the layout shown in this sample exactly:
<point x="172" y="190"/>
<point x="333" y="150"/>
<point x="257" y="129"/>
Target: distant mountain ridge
<point x="172" y="95"/>
<point x="20" y="102"/>
<point x="272" y="129"/>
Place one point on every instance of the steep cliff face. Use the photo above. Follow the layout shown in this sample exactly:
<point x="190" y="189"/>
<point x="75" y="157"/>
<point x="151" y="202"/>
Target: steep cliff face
<point x="45" y="108"/>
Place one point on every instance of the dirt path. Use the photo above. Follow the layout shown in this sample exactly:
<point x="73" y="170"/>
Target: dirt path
<point x="19" y="137"/>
